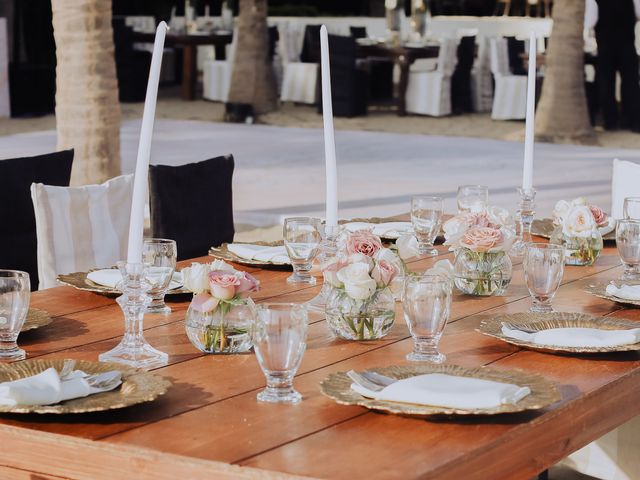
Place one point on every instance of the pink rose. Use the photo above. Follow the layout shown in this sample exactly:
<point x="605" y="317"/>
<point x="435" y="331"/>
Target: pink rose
<point x="383" y="273"/>
<point x="599" y="216"/>
<point x="482" y="239"/>
<point x="223" y="284"/>
<point x="248" y="284"/>
<point x="363" y="242"/>
<point x="205" y="303"/>
<point x="478" y="219"/>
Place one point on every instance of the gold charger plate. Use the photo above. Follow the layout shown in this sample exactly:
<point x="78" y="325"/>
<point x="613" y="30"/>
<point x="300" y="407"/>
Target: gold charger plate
<point x="80" y="281"/>
<point x="543" y="321"/>
<point x="137" y="387"/>
<point x="222" y="252"/>
<point x="337" y="386"/>
<point x="544" y="227"/>
<point x="600" y="290"/>
<point x="36" y="318"/>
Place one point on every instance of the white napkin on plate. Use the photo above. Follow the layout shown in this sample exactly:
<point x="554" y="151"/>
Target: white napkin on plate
<point x="110" y="277"/>
<point x="45" y="388"/>
<point x="385" y="230"/>
<point x="260" y="252"/>
<point x="576" y="337"/>
<point x="626" y="292"/>
<point x="441" y="390"/>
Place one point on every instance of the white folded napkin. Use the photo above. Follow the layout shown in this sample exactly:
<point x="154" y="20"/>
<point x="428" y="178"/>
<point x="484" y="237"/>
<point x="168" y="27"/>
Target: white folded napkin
<point x="110" y="277"/>
<point x="576" y="337"/>
<point x="441" y="390"/>
<point x="385" y="230"/>
<point x="260" y="252"/>
<point x="46" y="388"/>
<point x="626" y="292"/>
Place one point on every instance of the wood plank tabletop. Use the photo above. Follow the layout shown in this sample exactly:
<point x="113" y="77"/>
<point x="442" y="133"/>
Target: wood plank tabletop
<point x="210" y="425"/>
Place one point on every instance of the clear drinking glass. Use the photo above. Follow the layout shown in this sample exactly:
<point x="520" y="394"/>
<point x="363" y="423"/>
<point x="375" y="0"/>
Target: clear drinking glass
<point x="426" y="218"/>
<point x="279" y="337"/>
<point x="15" y="291"/>
<point x="628" y="243"/>
<point x="631" y="208"/>
<point x="472" y="198"/>
<point x="159" y="257"/>
<point x="302" y="236"/>
<point x="543" y="271"/>
<point x="426" y="304"/>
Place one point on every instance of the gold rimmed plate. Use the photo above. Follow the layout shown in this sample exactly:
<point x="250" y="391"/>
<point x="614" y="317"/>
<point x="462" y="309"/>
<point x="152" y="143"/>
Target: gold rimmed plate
<point x="223" y="253"/>
<point x="529" y="321"/>
<point x="337" y="386"/>
<point x="600" y="290"/>
<point x="137" y="387"/>
<point x="36" y="318"/>
<point x="390" y="237"/>
<point x="81" y="281"/>
<point x="544" y="227"/>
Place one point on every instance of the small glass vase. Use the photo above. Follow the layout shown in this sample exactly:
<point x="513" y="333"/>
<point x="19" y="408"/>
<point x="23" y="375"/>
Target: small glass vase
<point x="482" y="273"/>
<point x="220" y="331"/>
<point x="580" y="251"/>
<point x="360" y="319"/>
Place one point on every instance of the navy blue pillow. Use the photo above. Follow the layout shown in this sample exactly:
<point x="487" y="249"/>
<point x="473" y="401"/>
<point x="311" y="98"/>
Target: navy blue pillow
<point x="18" y="242"/>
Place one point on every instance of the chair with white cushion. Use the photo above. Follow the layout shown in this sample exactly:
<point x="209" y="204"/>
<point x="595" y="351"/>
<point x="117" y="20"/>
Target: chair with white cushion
<point x="481" y="81"/>
<point x="625" y="182"/>
<point x="429" y="92"/>
<point x="79" y="228"/>
<point x="510" y="95"/>
<point x="299" y="79"/>
<point x="216" y="74"/>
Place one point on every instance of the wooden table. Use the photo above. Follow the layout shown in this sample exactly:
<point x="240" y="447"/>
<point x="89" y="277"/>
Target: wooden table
<point x="209" y="425"/>
<point x="189" y="44"/>
<point x="402" y="56"/>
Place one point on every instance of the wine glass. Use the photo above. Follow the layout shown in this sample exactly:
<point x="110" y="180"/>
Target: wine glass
<point x="302" y="238"/>
<point x="628" y="243"/>
<point x="426" y="218"/>
<point x="159" y="257"/>
<point x="543" y="272"/>
<point x="15" y="291"/>
<point x="472" y="198"/>
<point x="631" y="208"/>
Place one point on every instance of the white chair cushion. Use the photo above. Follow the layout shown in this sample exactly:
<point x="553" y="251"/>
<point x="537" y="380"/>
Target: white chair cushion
<point x="625" y="182"/>
<point x="79" y="228"/>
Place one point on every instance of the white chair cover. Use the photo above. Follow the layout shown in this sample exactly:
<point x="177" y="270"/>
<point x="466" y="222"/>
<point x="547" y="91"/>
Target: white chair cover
<point x="625" y="182"/>
<point x="216" y="74"/>
<point x="429" y="93"/>
<point x="510" y="96"/>
<point x="299" y="79"/>
<point x="481" y="80"/>
<point x="79" y="228"/>
<point x="5" y="108"/>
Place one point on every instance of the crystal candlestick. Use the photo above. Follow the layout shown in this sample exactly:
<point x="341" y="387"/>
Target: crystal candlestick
<point x="524" y="218"/>
<point x="133" y="350"/>
<point x="328" y="250"/>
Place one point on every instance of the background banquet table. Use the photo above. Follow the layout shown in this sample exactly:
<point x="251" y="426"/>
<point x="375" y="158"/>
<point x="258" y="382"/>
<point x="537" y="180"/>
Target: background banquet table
<point x="209" y="424"/>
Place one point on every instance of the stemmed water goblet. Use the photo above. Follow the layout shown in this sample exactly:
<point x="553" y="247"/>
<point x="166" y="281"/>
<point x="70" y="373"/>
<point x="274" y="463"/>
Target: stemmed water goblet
<point x="159" y="257"/>
<point x="628" y="244"/>
<point x="15" y="291"/>
<point x="472" y="198"/>
<point x="426" y="304"/>
<point x="631" y="208"/>
<point x="302" y="238"/>
<point x="279" y="336"/>
<point x="543" y="272"/>
<point x="426" y="218"/>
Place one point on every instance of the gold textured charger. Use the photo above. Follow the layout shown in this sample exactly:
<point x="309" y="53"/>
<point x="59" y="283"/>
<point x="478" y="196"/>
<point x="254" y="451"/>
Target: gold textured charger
<point x="80" y="281"/>
<point x="544" y="321"/>
<point x="337" y="386"/>
<point x="36" y="318"/>
<point x="222" y="253"/>
<point x="600" y="290"/>
<point x="137" y="387"/>
<point x="544" y="227"/>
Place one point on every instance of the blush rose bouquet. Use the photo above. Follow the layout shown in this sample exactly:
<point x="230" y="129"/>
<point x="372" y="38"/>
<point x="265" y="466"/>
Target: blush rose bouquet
<point x="219" y="316"/>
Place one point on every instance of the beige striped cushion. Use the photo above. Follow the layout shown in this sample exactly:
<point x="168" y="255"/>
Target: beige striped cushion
<point x="79" y="228"/>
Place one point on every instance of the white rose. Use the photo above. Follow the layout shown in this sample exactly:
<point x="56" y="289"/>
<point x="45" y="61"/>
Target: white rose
<point x="508" y="239"/>
<point x="579" y="223"/>
<point x="444" y="268"/>
<point x="578" y="201"/>
<point x="360" y="258"/>
<point x="357" y="282"/>
<point x="221" y="265"/>
<point x="391" y="257"/>
<point x="330" y="272"/>
<point x="560" y="211"/>
<point x="500" y="216"/>
<point x="407" y="246"/>
<point x="454" y="228"/>
<point x="196" y="277"/>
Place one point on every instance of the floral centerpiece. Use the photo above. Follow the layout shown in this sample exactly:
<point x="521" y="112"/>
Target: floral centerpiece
<point x="481" y="242"/>
<point x="220" y="314"/>
<point x="361" y="304"/>
<point x="580" y="227"/>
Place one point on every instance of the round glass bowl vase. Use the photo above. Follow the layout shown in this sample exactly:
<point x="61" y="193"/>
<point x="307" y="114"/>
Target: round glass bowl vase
<point x="482" y="273"/>
<point x="580" y="251"/>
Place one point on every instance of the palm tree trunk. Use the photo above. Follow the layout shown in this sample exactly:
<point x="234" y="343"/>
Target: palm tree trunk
<point x="562" y="114"/>
<point x="87" y="107"/>
<point x="253" y="80"/>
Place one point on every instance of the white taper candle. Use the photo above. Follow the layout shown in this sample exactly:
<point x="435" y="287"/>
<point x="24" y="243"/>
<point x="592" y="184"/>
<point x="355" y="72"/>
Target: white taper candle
<point x="529" y="132"/>
<point x="140" y="186"/>
<point x="329" y="141"/>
